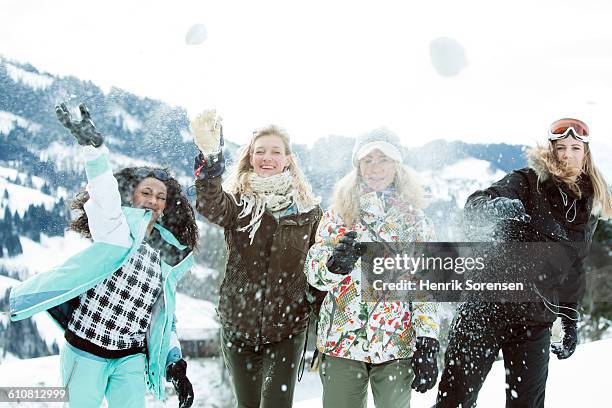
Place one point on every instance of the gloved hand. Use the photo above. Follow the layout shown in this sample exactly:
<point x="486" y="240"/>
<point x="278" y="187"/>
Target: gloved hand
<point x="207" y="131"/>
<point x="209" y="166"/>
<point x="505" y="208"/>
<point x="424" y="364"/>
<point x="566" y="347"/>
<point x="177" y="374"/>
<point x="345" y="254"/>
<point x="84" y="131"/>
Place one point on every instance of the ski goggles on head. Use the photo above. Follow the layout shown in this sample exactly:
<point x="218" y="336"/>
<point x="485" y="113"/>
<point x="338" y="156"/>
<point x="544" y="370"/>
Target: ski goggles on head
<point x="160" y="174"/>
<point x="566" y="127"/>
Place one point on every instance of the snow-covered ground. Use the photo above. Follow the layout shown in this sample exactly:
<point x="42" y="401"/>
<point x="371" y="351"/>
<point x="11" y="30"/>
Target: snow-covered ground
<point x="211" y="385"/>
<point x="581" y="381"/>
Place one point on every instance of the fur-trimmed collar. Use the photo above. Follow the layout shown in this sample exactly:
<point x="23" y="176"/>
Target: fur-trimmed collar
<point x="534" y="161"/>
<point x="537" y="164"/>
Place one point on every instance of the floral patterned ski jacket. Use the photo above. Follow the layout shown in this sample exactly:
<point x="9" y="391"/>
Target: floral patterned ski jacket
<point x="350" y="327"/>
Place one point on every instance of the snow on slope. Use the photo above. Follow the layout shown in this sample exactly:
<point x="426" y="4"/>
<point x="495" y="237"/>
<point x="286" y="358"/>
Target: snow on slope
<point x="460" y="179"/>
<point x="8" y="121"/>
<point x="7" y="172"/>
<point x="20" y="197"/>
<point x="50" y="252"/>
<point x="31" y="79"/>
<point x="128" y="122"/>
<point x="70" y="158"/>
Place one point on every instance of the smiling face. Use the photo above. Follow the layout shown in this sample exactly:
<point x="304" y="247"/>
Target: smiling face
<point x="150" y="193"/>
<point x="269" y="156"/>
<point x="571" y="153"/>
<point x="377" y="170"/>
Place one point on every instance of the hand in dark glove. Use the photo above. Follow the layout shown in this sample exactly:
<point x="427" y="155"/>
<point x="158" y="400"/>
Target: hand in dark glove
<point x="505" y="208"/>
<point x="210" y="165"/>
<point x="84" y="131"/>
<point x="346" y="253"/>
<point x="177" y="374"/>
<point x="424" y="364"/>
<point x="569" y="339"/>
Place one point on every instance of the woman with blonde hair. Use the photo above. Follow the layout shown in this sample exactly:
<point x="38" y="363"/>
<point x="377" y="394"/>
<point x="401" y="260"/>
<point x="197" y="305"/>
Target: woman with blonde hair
<point x="389" y="345"/>
<point x="558" y="198"/>
<point x="270" y="216"/>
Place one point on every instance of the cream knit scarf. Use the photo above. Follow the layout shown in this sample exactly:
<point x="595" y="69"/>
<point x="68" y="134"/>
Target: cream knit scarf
<point x="274" y="193"/>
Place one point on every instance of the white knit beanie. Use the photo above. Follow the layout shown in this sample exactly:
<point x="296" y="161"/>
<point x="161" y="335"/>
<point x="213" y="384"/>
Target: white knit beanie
<point x="382" y="139"/>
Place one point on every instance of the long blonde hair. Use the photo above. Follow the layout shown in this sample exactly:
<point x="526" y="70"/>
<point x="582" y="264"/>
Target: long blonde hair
<point x="345" y="199"/>
<point x="602" y="199"/>
<point x="238" y="182"/>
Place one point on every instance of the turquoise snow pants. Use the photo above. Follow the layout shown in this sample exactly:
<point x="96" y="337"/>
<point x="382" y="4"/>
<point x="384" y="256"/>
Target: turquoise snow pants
<point x="90" y="378"/>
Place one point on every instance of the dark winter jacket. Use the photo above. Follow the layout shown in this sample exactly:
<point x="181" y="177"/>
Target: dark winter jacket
<point x="550" y="222"/>
<point x="264" y="297"/>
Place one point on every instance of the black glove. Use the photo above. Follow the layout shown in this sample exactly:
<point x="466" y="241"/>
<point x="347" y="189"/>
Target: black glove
<point x="210" y="165"/>
<point x="346" y="253"/>
<point x="177" y="374"/>
<point x="424" y="364"/>
<point x="505" y="208"/>
<point x="84" y="131"/>
<point x="569" y="340"/>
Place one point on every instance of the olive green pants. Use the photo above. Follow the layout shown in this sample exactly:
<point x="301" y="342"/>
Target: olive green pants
<point x="263" y="376"/>
<point x="345" y="383"/>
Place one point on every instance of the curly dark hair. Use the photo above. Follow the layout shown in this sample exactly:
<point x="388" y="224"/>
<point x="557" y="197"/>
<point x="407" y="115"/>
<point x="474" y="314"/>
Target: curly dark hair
<point x="179" y="217"/>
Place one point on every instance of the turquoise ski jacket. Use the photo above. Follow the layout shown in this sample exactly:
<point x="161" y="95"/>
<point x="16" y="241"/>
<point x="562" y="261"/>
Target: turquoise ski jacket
<point x="117" y="232"/>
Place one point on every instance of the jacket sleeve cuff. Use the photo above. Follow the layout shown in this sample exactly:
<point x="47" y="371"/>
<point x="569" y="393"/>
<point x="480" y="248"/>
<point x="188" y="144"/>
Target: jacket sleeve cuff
<point x="91" y="153"/>
<point x="209" y="166"/>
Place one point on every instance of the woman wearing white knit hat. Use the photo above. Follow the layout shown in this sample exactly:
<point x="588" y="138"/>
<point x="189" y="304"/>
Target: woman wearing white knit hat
<point x="390" y="346"/>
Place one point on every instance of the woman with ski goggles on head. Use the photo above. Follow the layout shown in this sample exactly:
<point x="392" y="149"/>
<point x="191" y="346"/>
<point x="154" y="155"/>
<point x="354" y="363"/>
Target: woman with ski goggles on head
<point x="270" y="216"/>
<point x="557" y="199"/>
<point x="115" y="300"/>
<point x="389" y="345"/>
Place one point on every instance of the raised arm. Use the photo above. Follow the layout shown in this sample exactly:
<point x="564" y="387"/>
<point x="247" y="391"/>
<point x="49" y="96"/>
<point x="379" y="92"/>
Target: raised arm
<point x="106" y="220"/>
<point x="212" y="202"/>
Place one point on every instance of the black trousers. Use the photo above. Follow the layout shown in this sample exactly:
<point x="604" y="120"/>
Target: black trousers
<point x="474" y="343"/>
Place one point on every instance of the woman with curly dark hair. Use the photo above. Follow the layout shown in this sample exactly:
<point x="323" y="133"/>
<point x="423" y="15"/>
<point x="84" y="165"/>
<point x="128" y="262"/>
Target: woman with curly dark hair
<point x="115" y="300"/>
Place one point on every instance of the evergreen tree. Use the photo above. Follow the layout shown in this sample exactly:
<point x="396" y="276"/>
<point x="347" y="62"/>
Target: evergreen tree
<point x="13" y="245"/>
<point x="46" y="189"/>
<point x="597" y="301"/>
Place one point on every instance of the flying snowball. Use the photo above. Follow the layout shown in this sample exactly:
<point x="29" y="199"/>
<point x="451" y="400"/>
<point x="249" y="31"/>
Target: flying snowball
<point x="196" y="34"/>
<point x="447" y="56"/>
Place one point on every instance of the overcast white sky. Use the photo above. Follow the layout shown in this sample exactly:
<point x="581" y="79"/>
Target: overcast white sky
<point x="335" y="67"/>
